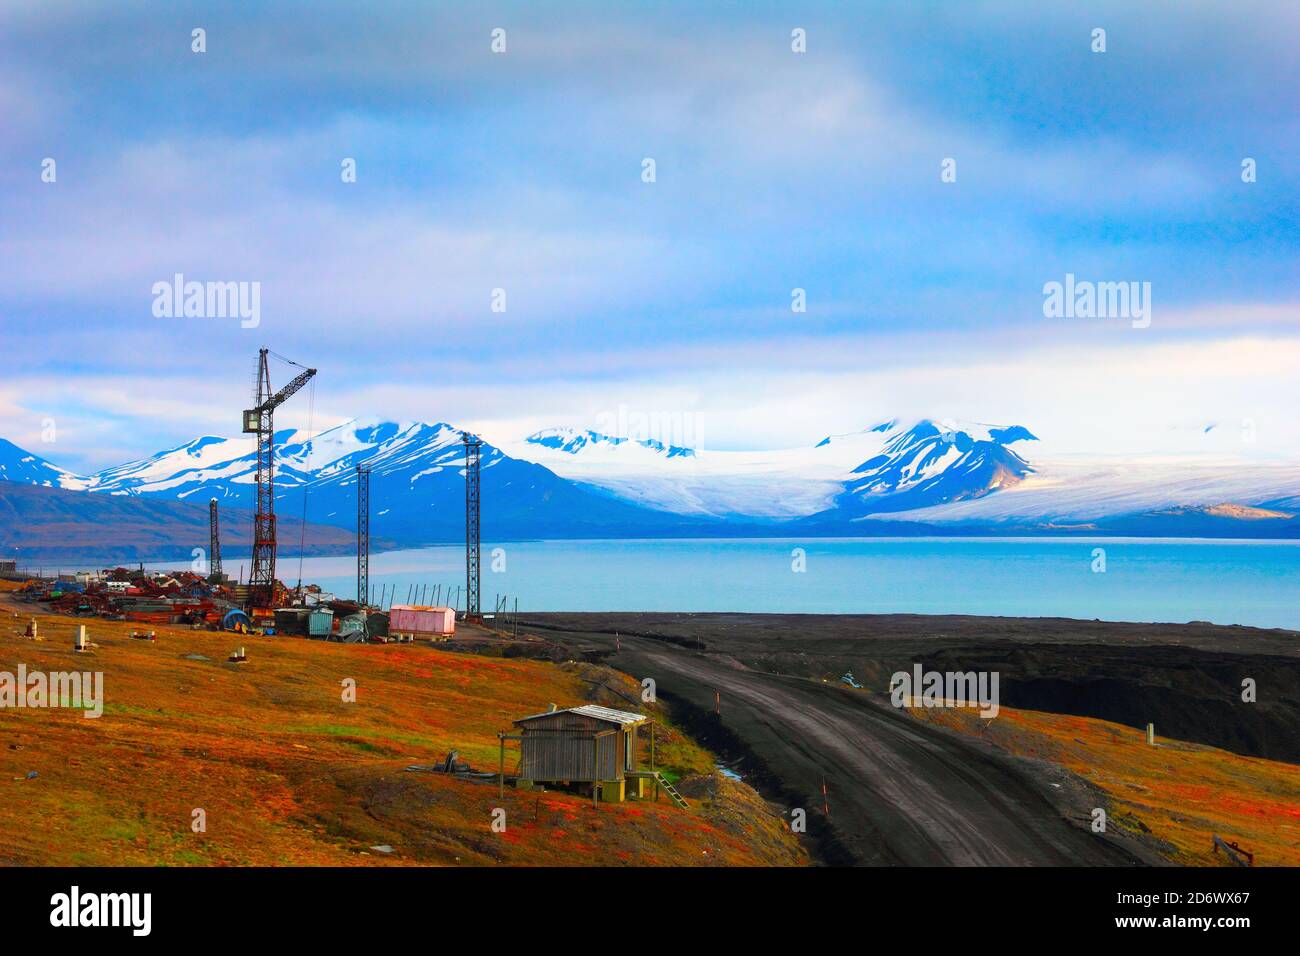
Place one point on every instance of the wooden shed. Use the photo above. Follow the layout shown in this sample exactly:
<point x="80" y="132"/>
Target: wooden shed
<point x="588" y="744"/>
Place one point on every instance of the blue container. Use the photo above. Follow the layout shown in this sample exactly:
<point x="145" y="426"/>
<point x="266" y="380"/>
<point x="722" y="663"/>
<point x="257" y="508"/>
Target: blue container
<point x="320" y="623"/>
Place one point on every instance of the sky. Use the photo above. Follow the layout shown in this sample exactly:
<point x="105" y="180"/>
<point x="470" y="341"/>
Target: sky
<point x="669" y="300"/>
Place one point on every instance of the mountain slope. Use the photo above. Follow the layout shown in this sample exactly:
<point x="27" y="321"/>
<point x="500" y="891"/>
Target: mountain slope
<point x="19" y="465"/>
<point x="883" y="468"/>
<point x="1179" y="491"/>
<point x="417" y="484"/>
<point x="40" y="525"/>
<point x="891" y="478"/>
<point x="571" y="441"/>
<point x="204" y="467"/>
<point x="932" y="464"/>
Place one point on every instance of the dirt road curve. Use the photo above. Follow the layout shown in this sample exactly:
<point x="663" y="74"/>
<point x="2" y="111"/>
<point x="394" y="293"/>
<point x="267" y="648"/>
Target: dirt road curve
<point x="898" y="792"/>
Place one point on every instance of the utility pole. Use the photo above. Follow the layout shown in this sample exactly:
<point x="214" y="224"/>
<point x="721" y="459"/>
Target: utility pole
<point x="473" y="450"/>
<point x="214" y="548"/>
<point x="363" y="534"/>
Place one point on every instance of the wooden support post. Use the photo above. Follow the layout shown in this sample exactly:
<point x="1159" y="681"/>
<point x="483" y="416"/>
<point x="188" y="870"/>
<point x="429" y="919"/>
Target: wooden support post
<point x="653" y="768"/>
<point x="502" y="771"/>
<point x="1151" y="735"/>
<point x="595" y="770"/>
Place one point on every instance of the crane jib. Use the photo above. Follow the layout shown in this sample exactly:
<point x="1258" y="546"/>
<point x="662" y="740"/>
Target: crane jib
<point x="285" y="393"/>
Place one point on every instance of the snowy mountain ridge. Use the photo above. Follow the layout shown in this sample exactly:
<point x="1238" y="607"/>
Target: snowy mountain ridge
<point x="929" y="472"/>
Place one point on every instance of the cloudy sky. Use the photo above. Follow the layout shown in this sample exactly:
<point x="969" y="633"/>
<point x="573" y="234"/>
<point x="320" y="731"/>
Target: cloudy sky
<point x="774" y="171"/>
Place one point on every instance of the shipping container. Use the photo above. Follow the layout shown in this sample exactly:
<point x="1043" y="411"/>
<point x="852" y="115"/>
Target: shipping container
<point x="320" y="623"/>
<point x="291" y="620"/>
<point x="420" y="621"/>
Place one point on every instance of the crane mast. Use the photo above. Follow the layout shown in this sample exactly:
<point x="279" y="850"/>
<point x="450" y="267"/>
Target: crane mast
<point x="363" y="535"/>
<point x="214" y="550"/>
<point x="473" y="453"/>
<point x="260" y="421"/>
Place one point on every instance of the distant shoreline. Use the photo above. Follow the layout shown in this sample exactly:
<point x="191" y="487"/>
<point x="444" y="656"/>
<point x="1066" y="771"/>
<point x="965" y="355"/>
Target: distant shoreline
<point x="125" y="557"/>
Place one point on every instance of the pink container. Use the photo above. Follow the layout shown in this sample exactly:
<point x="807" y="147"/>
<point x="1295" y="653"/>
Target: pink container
<point x="421" y="621"/>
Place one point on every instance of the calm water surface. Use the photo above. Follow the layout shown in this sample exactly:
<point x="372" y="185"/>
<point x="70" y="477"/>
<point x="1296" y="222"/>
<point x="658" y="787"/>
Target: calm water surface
<point x="1226" y="582"/>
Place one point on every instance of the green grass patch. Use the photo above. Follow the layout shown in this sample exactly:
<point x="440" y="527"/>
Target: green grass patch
<point x="364" y="733"/>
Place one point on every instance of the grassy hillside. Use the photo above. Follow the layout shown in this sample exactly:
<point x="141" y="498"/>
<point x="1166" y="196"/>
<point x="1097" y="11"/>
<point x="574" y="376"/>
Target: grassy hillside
<point x="1175" y="795"/>
<point x="288" y="773"/>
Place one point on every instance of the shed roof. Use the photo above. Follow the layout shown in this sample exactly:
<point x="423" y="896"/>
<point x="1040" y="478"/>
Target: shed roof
<point x="607" y="714"/>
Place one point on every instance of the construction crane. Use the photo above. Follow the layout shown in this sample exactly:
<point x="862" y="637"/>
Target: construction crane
<point x="260" y="421"/>
<point x="214" y="551"/>
<point x="363" y="535"/>
<point x="473" y="448"/>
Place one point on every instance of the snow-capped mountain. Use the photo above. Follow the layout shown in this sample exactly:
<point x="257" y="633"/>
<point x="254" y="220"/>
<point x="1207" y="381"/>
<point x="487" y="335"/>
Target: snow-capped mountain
<point x="931" y="473"/>
<point x="571" y="441"/>
<point x="892" y="477"/>
<point x="782" y="483"/>
<point x="417" y="487"/>
<point x="922" y="463"/>
<point x="935" y="463"/>
<point x="203" y="467"/>
<point x="22" y="466"/>
<point x="226" y="468"/>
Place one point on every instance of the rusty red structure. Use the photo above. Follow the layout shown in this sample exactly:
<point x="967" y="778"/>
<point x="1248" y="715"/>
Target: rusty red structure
<point x="260" y="421"/>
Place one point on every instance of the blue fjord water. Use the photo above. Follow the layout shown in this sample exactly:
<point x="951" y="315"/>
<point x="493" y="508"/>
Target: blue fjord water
<point x="1173" y="580"/>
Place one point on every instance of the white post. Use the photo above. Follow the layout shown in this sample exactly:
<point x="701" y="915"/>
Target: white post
<point x="1151" y="735"/>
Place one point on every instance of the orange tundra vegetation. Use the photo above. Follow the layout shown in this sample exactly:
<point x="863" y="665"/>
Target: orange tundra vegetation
<point x="1176" y="796"/>
<point x="287" y="773"/>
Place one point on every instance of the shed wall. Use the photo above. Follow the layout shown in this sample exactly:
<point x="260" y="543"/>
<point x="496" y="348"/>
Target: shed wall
<point x="561" y="748"/>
